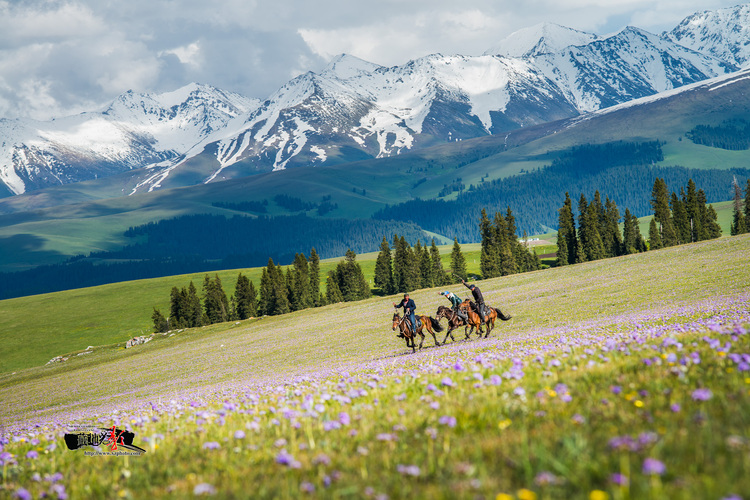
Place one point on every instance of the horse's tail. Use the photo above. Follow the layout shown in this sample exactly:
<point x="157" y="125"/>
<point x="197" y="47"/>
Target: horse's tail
<point x="501" y="315"/>
<point x="435" y="324"/>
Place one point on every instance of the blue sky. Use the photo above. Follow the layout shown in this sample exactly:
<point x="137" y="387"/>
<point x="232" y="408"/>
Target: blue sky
<point x="60" y="57"/>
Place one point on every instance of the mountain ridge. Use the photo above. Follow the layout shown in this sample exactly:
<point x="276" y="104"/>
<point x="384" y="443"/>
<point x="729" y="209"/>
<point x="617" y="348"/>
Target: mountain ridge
<point x="354" y="109"/>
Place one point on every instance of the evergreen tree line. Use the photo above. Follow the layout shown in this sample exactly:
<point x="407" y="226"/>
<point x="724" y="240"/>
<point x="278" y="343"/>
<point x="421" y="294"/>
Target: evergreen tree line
<point x="730" y="135"/>
<point x="187" y="311"/>
<point x="279" y="292"/>
<point x="502" y="253"/>
<point x="535" y="195"/>
<point x="680" y="219"/>
<point x="597" y="235"/>
<point x="740" y="213"/>
<point x="404" y="268"/>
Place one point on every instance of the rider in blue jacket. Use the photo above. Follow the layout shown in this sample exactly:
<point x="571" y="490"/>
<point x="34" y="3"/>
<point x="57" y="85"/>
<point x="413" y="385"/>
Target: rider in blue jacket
<point x="409" y="308"/>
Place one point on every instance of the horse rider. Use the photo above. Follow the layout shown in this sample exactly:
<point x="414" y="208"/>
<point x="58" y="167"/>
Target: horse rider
<point x="455" y="303"/>
<point x="409" y="308"/>
<point x="478" y="298"/>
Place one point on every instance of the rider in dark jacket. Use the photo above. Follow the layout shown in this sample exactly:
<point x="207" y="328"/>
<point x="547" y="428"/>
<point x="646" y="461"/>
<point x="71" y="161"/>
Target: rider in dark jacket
<point x="478" y="298"/>
<point x="409" y="308"/>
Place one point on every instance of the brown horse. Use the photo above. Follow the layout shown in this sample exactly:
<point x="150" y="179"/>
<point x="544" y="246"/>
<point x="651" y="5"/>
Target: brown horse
<point x="404" y="326"/>
<point x="454" y="321"/>
<point x="476" y="322"/>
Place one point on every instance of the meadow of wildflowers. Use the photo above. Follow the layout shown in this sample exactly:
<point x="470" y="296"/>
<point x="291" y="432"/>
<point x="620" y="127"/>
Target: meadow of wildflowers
<point x="627" y="378"/>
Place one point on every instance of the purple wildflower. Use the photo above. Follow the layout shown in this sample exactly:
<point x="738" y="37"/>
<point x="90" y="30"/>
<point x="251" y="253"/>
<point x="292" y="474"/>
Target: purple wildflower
<point x="702" y="394"/>
<point x="545" y="478"/>
<point x="619" y="479"/>
<point x="211" y="445"/>
<point x="654" y="467"/>
<point x="408" y="470"/>
<point x="32" y="454"/>
<point x="447" y="382"/>
<point x="284" y="458"/>
<point x="22" y="494"/>
<point x="239" y="434"/>
<point x="448" y="420"/>
<point x="675" y="408"/>
<point x="204" y="489"/>
<point x="307" y="487"/>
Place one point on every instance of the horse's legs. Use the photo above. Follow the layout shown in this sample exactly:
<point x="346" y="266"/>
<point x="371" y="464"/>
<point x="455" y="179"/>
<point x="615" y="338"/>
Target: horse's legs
<point x="450" y="329"/>
<point x="429" y="329"/>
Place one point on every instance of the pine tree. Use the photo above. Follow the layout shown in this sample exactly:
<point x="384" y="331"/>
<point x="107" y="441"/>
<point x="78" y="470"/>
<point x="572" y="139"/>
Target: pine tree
<point x="614" y="242"/>
<point x="215" y="303"/>
<point x="265" y="304"/>
<point x="458" y="262"/>
<point x="662" y="214"/>
<point x="175" y="308"/>
<point x="194" y="312"/>
<point x="315" y="294"/>
<point x="747" y="205"/>
<point x="425" y="268"/>
<point x="488" y="259"/>
<point x="505" y="242"/>
<point x="654" y="237"/>
<point x="588" y="231"/>
<point x="692" y="208"/>
<point x="438" y="274"/>
<point x="333" y="292"/>
<point x="739" y="223"/>
<point x="566" y="234"/>
<point x="280" y="292"/>
<point x="244" y="297"/>
<point x="161" y="324"/>
<point x="703" y="231"/>
<point x="300" y="292"/>
<point x="713" y="228"/>
<point x="680" y="218"/>
<point x="384" y="269"/>
<point x="350" y="279"/>
<point x="632" y="239"/>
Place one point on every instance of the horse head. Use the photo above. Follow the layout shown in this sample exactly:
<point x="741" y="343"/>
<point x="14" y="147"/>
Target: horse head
<point x="396" y="321"/>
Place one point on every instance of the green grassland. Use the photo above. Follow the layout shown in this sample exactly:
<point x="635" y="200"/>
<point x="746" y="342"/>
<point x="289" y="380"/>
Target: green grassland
<point x="109" y="315"/>
<point x="35" y="329"/>
<point x="559" y="402"/>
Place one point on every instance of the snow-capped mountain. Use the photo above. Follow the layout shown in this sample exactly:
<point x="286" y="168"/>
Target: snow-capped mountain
<point x="544" y="38"/>
<point x="354" y="109"/>
<point x="724" y="34"/>
<point x="136" y="130"/>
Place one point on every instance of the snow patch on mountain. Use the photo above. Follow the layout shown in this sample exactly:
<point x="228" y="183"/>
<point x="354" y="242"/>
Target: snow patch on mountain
<point x="724" y="33"/>
<point x="543" y="38"/>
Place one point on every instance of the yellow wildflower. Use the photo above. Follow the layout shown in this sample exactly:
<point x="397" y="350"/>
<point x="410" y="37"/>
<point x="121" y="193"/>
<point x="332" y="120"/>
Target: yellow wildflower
<point x="598" y="495"/>
<point x="524" y="494"/>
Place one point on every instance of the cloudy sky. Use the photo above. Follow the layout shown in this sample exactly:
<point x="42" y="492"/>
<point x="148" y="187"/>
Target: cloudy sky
<point x="60" y="57"/>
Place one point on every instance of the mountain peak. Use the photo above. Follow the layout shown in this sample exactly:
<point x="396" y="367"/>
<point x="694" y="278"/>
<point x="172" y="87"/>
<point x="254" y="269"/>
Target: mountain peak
<point x="345" y="66"/>
<point x="722" y="33"/>
<point x="542" y="38"/>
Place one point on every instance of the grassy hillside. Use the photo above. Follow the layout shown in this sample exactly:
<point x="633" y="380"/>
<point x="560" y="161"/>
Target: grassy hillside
<point x="35" y="329"/>
<point x="299" y="341"/>
<point x="590" y="391"/>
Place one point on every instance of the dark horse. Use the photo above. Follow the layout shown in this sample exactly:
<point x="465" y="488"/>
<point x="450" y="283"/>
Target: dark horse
<point x="454" y="321"/>
<point x="404" y="325"/>
<point x="476" y="322"/>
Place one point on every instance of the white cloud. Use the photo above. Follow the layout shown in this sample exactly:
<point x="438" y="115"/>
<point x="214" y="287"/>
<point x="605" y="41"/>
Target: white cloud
<point x="65" y="56"/>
